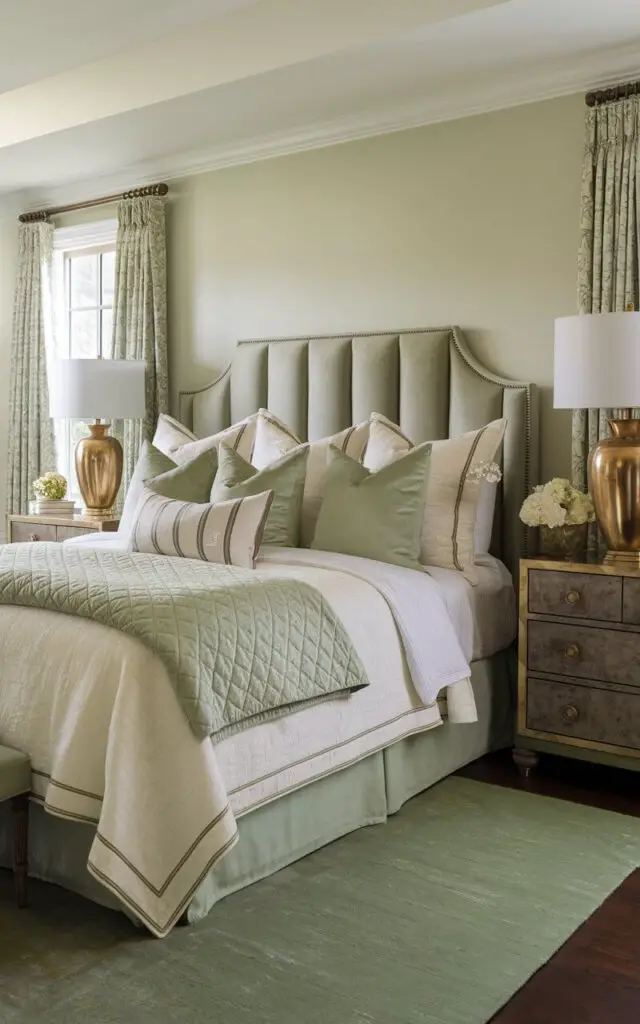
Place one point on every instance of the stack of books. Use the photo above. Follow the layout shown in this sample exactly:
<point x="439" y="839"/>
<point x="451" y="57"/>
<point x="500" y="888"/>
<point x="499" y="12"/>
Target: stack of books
<point x="54" y="507"/>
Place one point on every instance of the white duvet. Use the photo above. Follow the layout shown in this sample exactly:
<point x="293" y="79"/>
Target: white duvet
<point x="109" y="744"/>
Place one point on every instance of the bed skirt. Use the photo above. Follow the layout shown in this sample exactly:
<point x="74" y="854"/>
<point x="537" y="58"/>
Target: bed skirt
<point x="289" y="828"/>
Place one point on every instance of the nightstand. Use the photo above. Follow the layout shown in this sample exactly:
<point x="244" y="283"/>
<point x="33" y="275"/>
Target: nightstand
<point x="57" y="528"/>
<point x="578" y="663"/>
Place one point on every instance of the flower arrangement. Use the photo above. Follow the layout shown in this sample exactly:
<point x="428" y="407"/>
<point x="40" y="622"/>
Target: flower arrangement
<point x="557" y="503"/>
<point x="51" y="486"/>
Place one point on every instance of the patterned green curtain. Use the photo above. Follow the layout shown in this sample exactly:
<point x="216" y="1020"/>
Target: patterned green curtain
<point x="31" y="444"/>
<point x="140" y="313"/>
<point x="608" y="256"/>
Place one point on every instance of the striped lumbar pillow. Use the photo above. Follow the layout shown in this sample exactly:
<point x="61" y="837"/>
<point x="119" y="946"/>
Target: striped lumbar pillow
<point x="448" y="530"/>
<point x="229" y="532"/>
<point x="274" y="439"/>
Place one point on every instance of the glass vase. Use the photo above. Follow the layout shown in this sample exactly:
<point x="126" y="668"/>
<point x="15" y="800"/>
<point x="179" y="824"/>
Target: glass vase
<point x="565" y="543"/>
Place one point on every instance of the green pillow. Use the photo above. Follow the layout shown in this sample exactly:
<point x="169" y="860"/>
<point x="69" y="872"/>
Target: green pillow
<point x="190" y="481"/>
<point x="237" y="478"/>
<point x="151" y="462"/>
<point x="374" y="515"/>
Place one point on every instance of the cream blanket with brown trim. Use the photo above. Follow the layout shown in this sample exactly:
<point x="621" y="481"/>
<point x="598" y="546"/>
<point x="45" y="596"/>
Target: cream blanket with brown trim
<point x="109" y="745"/>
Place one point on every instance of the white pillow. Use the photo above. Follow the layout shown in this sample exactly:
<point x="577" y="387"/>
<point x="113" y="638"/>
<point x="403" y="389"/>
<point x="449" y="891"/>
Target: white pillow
<point x="484" y="516"/>
<point x="182" y="445"/>
<point x="229" y="532"/>
<point x="274" y="439"/>
<point x="449" y="528"/>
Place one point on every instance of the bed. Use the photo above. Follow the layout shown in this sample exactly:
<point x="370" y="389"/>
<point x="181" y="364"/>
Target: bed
<point x="301" y="781"/>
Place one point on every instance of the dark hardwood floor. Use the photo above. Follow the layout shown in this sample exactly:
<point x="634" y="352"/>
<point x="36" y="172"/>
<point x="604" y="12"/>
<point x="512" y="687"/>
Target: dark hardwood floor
<point x="595" y="977"/>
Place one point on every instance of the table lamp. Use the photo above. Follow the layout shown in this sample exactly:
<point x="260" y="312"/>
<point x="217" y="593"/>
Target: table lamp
<point x="97" y="389"/>
<point x="597" y="365"/>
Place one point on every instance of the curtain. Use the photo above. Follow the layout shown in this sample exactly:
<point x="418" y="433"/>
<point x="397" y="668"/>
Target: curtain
<point x="608" y="255"/>
<point x="31" y="446"/>
<point x="140" y="313"/>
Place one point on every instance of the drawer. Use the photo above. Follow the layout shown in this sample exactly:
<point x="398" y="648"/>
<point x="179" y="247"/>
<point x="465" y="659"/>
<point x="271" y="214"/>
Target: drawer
<point x="587" y="652"/>
<point x="631" y="601"/>
<point x="579" y="594"/>
<point x="565" y="709"/>
<point x="21" y="532"/>
<point x="66" y="532"/>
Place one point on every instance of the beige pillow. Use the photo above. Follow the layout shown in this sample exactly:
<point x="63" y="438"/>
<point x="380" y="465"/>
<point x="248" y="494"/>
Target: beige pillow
<point x="448" y="530"/>
<point x="171" y="434"/>
<point x="229" y="532"/>
<point x="182" y="445"/>
<point x="274" y="439"/>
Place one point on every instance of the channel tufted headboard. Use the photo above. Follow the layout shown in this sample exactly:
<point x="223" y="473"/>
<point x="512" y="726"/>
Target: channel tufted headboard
<point x="425" y="379"/>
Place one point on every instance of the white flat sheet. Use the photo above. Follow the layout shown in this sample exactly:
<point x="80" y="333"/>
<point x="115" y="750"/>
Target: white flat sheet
<point x="484" y="616"/>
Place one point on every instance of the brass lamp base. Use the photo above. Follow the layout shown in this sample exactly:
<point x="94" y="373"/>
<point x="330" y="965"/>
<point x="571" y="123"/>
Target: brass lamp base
<point x="614" y="482"/>
<point x="98" y="461"/>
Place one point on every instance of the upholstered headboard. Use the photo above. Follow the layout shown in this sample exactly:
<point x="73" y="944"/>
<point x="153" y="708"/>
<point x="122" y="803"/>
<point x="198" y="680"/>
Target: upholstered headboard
<point x="424" y="379"/>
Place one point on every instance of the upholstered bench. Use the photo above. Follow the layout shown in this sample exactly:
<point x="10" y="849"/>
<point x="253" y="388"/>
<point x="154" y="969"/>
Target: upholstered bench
<point x="15" y="784"/>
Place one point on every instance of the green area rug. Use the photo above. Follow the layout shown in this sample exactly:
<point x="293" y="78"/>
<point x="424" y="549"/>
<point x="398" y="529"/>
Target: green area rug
<point x="436" y="918"/>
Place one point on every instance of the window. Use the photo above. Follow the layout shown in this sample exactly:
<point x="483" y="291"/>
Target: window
<point x="82" y="287"/>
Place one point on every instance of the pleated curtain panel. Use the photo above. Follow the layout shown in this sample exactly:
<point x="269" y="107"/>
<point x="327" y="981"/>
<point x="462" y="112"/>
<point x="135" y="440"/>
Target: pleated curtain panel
<point x="140" y="314"/>
<point x="31" y="442"/>
<point x="608" y="258"/>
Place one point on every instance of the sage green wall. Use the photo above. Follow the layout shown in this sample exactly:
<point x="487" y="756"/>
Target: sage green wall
<point x="472" y="222"/>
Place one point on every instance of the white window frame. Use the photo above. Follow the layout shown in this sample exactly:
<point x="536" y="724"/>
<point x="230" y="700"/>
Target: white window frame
<point x="98" y="236"/>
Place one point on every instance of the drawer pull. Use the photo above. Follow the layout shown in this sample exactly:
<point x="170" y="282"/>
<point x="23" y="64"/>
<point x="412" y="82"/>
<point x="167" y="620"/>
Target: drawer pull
<point x="33" y="536"/>
<point x="573" y="597"/>
<point x="572" y="651"/>
<point x="570" y="713"/>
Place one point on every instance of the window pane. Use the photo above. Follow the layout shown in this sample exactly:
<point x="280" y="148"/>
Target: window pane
<point x="107" y="324"/>
<point x="84" y="281"/>
<point x="84" y="335"/>
<point x="108" y="277"/>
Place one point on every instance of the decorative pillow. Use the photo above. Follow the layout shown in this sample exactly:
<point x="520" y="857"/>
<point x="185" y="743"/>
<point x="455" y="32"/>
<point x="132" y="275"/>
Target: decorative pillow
<point x="150" y="463"/>
<point x="171" y="433"/>
<point x="375" y="515"/>
<point x="448" y="532"/>
<point x="191" y="481"/>
<point x="229" y="533"/>
<point x="237" y="478"/>
<point x="182" y="445"/>
<point x="485" y="512"/>
<point x="274" y="439"/>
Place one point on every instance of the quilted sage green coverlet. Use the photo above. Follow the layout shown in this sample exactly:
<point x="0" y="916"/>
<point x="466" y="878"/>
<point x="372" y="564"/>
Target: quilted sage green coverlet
<point x="238" y="648"/>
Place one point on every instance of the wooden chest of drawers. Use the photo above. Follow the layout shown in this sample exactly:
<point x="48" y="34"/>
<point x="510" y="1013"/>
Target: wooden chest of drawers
<point x="579" y="663"/>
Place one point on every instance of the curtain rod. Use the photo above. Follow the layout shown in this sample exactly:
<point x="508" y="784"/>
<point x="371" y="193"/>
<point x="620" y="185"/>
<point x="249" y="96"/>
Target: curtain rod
<point x="135" y="193"/>
<point x="615" y="92"/>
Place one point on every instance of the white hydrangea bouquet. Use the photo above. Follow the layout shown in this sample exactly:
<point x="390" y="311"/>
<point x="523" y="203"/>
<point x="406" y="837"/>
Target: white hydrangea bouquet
<point x="563" y="513"/>
<point x="50" y="487"/>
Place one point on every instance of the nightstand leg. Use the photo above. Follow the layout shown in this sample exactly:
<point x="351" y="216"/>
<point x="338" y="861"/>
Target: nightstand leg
<point x="525" y="760"/>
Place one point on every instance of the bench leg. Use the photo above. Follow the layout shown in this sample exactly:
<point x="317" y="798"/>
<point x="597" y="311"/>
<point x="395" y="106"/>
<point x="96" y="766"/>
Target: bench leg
<point x="20" y="821"/>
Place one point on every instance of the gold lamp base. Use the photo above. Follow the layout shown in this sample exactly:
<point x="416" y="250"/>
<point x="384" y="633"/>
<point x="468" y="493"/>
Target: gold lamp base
<point x="98" y="461"/>
<point x="614" y="482"/>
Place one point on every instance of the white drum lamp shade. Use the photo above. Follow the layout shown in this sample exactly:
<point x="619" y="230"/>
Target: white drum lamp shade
<point x="88" y="389"/>
<point x="597" y="361"/>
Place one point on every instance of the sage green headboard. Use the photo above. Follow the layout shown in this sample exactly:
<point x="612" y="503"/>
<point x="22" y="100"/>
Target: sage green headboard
<point x="425" y="379"/>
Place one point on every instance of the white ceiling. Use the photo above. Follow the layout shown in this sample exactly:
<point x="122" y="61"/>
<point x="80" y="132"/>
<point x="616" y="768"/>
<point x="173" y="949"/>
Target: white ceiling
<point x="279" y="75"/>
<point x="40" y="38"/>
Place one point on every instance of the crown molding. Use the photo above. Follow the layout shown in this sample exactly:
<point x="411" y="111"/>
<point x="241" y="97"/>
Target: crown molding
<point x="594" y="72"/>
